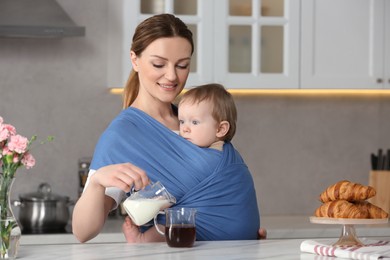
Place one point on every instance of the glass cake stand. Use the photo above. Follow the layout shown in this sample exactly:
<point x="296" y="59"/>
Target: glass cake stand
<point x="348" y="235"/>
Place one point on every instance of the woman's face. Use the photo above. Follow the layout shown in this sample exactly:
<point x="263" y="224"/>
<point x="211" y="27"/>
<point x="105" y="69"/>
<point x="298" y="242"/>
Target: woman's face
<point x="163" y="68"/>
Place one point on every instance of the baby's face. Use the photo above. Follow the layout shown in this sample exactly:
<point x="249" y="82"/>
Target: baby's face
<point x="197" y="124"/>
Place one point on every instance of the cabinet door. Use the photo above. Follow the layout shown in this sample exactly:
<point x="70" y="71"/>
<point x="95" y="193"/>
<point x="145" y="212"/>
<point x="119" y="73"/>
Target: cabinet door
<point x="256" y="43"/>
<point x="125" y="15"/>
<point x="122" y="15"/>
<point x="239" y="43"/>
<point x="342" y="44"/>
<point x="387" y="46"/>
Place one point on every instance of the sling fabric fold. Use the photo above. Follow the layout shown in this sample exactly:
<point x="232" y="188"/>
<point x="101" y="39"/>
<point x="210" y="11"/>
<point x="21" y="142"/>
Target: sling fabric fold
<point x="218" y="184"/>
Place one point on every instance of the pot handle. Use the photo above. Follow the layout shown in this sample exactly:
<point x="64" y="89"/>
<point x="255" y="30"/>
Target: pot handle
<point x="16" y="203"/>
<point x="44" y="188"/>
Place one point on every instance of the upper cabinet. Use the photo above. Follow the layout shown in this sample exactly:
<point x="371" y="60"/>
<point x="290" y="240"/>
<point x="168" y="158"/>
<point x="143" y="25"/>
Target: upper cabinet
<point x="345" y="44"/>
<point x="238" y="43"/>
<point x="256" y="43"/>
<point x="268" y="44"/>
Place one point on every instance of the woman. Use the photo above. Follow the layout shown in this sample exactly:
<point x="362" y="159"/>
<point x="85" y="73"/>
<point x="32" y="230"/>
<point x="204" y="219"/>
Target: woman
<point x="141" y="144"/>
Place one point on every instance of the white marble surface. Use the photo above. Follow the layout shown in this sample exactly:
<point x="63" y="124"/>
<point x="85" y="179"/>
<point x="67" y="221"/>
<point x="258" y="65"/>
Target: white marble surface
<point x="258" y="249"/>
<point x="278" y="227"/>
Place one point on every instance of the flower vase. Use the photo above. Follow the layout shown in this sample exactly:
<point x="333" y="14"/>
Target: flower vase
<point x="9" y="229"/>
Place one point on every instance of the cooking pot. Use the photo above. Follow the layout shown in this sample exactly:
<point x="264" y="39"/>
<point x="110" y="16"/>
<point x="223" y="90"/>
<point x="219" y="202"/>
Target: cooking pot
<point x="42" y="211"/>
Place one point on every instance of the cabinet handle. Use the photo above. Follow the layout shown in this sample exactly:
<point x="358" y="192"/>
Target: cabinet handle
<point x="379" y="81"/>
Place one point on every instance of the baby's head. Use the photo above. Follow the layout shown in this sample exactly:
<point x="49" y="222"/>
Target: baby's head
<point x="207" y="113"/>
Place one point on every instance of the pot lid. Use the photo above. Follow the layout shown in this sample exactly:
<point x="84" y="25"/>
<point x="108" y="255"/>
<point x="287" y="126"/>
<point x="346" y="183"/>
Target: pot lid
<point x="43" y="194"/>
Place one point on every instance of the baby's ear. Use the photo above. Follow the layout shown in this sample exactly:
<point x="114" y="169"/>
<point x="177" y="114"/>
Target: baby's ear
<point x="223" y="128"/>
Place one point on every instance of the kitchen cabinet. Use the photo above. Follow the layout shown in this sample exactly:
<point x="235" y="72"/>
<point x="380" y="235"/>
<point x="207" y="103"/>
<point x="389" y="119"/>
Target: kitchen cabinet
<point x="239" y="43"/>
<point x="256" y="43"/>
<point x="268" y="44"/>
<point x="345" y="44"/>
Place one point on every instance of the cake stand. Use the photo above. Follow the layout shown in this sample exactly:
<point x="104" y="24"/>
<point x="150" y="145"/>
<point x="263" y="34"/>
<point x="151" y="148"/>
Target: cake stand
<point x="348" y="235"/>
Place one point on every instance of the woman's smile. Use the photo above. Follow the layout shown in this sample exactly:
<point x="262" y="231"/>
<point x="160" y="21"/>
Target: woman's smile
<point x="167" y="86"/>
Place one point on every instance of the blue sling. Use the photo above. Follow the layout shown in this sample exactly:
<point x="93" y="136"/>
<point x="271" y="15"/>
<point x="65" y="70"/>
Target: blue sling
<point x="218" y="184"/>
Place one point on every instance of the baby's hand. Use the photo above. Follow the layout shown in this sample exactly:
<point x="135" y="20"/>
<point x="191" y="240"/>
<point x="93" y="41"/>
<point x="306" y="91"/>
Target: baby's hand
<point x="131" y="232"/>
<point x="262" y="234"/>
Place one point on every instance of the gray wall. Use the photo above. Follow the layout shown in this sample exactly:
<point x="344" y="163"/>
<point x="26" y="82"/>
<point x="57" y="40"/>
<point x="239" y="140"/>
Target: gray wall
<point x="294" y="146"/>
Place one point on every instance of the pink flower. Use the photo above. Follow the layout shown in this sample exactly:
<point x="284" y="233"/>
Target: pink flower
<point x="14" y="148"/>
<point x="6" y="131"/>
<point x="18" y="143"/>
<point x="28" y="160"/>
<point x="15" y="159"/>
<point x="6" y="151"/>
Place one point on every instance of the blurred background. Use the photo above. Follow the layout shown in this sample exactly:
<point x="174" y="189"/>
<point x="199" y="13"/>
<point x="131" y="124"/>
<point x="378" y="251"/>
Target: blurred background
<point x="294" y="145"/>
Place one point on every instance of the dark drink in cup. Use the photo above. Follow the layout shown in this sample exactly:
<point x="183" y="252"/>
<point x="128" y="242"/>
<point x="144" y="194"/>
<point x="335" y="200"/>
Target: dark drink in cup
<point x="180" y="228"/>
<point x="180" y="235"/>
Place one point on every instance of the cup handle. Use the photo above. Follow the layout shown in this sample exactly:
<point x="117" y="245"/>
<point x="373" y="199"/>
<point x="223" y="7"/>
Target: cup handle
<point x="156" y="224"/>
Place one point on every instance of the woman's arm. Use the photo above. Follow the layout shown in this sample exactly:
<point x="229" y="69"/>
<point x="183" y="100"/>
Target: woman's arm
<point x="92" y="208"/>
<point x="90" y="212"/>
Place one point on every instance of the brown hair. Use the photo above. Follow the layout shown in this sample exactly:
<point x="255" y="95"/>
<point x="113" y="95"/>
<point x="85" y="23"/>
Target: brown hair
<point x="151" y="29"/>
<point x="224" y="108"/>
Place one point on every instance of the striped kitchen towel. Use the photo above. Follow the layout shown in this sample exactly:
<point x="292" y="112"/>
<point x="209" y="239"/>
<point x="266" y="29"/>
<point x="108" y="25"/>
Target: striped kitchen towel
<point x="372" y="249"/>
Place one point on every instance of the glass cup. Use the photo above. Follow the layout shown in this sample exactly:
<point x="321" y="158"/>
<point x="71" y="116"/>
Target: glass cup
<point x="180" y="228"/>
<point x="144" y="204"/>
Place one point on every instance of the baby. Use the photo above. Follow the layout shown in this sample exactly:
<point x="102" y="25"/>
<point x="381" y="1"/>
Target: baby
<point x="207" y="117"/>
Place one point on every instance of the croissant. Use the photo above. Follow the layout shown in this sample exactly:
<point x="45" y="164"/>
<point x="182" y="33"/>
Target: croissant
<point x="372" y="210"/>
<point x="346" y="190"/>
<point x="340" y="209"/>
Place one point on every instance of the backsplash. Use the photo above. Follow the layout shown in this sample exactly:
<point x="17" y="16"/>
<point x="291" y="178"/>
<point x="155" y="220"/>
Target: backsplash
<point x="294" y="146"/>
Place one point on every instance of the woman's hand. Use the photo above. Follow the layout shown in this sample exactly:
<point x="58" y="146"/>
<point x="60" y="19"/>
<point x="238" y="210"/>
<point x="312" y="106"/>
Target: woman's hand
<point x="92" y="208"/>
<point x="123" y="176"/>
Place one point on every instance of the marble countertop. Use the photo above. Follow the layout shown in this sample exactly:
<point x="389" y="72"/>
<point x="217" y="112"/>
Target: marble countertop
<point x="254" y="249"/>
<point x="278" y="227"/>
<point x="286" y="227"/>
